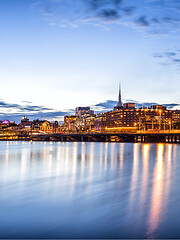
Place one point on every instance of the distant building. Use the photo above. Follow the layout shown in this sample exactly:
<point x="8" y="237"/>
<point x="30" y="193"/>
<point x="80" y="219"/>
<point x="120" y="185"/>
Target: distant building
<point x="25" y="123"/>
<point x="80" y="111"/>
<point x="129" y="105"/>
<point x="158" y="107"/>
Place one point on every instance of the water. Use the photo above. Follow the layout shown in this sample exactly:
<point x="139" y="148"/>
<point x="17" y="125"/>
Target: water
<point x="89" y="190"/>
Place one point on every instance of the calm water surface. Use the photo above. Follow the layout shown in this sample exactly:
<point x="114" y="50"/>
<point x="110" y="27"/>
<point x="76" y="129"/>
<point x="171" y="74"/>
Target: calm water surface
<point x="89" y="190"/>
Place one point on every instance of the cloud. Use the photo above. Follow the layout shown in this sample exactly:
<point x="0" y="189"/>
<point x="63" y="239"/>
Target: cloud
<point x="158" y="17"/>
<point x="24" y="108"/>
<point x="108" y="105"/>
<point x="109" y="14"/>
<point x="142" y="21"/>
<point x="15" y="112"/>
<point x="172" y="105"/>
<point x="169" y="58"/>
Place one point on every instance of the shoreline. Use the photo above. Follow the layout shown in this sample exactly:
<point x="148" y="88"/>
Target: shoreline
<point x="97" y="137"/>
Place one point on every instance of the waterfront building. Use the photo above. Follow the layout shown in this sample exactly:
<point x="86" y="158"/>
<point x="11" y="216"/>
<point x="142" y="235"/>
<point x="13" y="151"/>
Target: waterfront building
<point x="25" y="123"/>
<point x="82" y="121"/>
<point x="55" y="126"/>
<point x="70" y="123"/>
<point x="131" y="118"/>
<point x="36" y="124"/>
<point x="47" y="127"/>
<point x="85" y="123"/>
<point x="124" y="118"/>
<point x="100" y="122"/>
<point x="88" y="121"/>
<point x="80" y="124"/>
<point x="176" y="119"/>
<point x="5" y="124"/>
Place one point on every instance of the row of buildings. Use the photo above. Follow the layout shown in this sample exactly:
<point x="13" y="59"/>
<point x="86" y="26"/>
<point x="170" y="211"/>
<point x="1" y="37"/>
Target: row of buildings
<point x="37" y="125"/>
<point x="123" y="118"/>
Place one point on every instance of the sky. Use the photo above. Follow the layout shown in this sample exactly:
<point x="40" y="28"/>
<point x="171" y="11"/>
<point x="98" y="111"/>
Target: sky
<point x="60" y="54"/>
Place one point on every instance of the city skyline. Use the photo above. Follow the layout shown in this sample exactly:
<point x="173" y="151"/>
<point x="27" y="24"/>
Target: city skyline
<point x="41" y="112"/>
<point x="58" y="54"/>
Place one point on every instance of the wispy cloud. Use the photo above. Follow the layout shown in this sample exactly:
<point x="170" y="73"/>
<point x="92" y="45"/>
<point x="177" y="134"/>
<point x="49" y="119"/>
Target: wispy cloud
<point x="15" y="112"/>
<point x="142" y="21"/>
<point x="22" y="108"/>
<point x="158" y="17"/>
<point x="108" y="105"/>
<point x="169" y="58"/>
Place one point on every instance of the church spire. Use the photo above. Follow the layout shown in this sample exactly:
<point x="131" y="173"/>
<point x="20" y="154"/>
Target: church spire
<point x="119" y="103"/>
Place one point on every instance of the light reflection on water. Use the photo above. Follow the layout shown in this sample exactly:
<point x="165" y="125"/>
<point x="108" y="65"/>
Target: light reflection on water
<point x="89" y="190"/>
<point x="157" y="191"/>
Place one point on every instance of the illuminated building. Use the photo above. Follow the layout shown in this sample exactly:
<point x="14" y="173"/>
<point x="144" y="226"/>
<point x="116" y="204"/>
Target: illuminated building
<point x="82" y="121"/>
<point x="55" y="126"/>
<point x="129" y="117"/>
<point x="25" y="123"/>
<point x="100" y="122"/>
<point x="85" y="123"/>
<point x="6" y="124"/>
<point x="46" y="126"/>
<point x="124" y="118"/>
<point x="176" y="119"/>
<point x="69" y="122"/>
<point x="120" y="119"/>
<point x="36" y="124"/>
<point x="89" y="122"/>
<point x="158" y="107"/>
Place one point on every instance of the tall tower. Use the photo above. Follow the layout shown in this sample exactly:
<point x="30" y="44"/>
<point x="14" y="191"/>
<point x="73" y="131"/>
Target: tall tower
<point x="119" y="102"/>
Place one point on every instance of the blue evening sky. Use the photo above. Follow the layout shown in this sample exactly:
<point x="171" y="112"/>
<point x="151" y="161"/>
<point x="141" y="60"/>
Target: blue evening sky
<point x="59" y="54"/>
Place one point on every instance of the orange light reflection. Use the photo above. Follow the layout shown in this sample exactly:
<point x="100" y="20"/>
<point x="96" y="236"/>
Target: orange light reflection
<point x="157" y="192"/>
<point x="144" y="180"/>
<point x="134" y="174"/>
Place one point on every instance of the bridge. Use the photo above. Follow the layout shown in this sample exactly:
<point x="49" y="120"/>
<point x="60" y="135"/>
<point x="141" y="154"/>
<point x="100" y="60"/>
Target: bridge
<point x="138" y="136"/>
<point x="143" y="137"/>
<point x="114" y="137"/>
